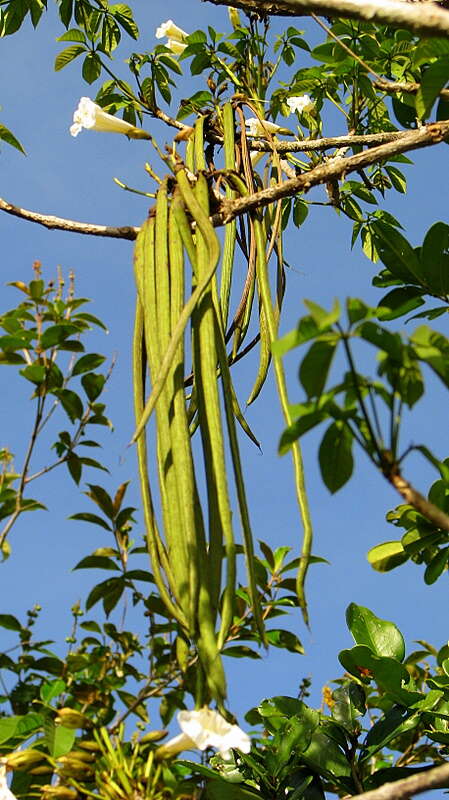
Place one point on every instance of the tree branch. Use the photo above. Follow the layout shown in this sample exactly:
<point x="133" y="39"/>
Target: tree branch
<point x="409" y="88"/>
<point x="325" y="143"/>
<point x="414" y="498"/>
<point x="58" y="223"/>
<point x="426" y="19"/>
<point x="333" y="169"/>
<point x="435" y="778"/>
<point x="392" y="144"/>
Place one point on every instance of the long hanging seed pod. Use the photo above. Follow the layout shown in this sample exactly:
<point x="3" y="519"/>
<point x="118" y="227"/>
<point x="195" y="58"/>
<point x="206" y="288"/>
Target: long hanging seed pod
<point x="230" y="229"/>
<point x="272" y="324"/>
<point x="189" y="505"/>
<point x="143" y="253"/>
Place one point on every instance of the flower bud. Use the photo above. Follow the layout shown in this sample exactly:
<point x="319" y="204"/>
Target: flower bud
<point x="24" y="759"/>
<point x="153" y="736"/>
<point x="59" y="793"/>
<point x="71" y="718"/>
<point x="234" y="17"/>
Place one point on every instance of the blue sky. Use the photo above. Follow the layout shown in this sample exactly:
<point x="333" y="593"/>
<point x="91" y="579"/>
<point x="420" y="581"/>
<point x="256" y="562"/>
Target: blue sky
<point x="73" y="178"/>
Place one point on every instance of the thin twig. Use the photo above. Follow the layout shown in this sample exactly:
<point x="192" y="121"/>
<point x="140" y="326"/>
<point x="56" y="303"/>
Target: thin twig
<point x="59" y="223"/>
<point x="408" y="88"/>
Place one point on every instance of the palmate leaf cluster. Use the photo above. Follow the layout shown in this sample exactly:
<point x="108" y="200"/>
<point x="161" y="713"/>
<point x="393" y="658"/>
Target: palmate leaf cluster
<point x="77" y="725"/>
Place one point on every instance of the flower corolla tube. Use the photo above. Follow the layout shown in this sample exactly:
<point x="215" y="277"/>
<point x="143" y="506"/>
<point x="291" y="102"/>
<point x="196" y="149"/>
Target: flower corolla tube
<point x="206" y="728"/>
<point x="91" y="116"/>
<point x="170" y="30"/>
<point x="175" y="46"/>
<point x="300" y="104"/>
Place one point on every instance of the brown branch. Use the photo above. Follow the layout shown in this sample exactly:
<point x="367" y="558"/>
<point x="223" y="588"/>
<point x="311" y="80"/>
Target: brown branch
<point x="435" y="778"/>
<point x="409" y="88"/>
<point x="333" y="169"/>
<point x="426" y="19"/>
<point x="414" y="498"/>
<point x="385" y="146"/>
<point x="326" y="143"/>
<point x="58" y="223"/>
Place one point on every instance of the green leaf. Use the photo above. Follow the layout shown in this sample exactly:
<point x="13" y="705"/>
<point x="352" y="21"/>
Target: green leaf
<point x="399" y="302"/>
<point x="49" y="691"/>
<point x="386" y="556"/>
<point x="91" y="68"/>
<point x="96" y="562"/>
<point x="436" y="566"/>
<point x="87" y="517"/>
<point x="433" y="80"/>
<point x="396" y="253"/>
<point x="307" y="329"/>
<point x="9" y="138"/>
<point x="102" y="499"/>
<point x="10" y="623"/>
<point x="435" y="258"/>
<point x="240" y="651"/>
<point x="56" y="334"/>
<point x="315" y="367"/>
<point x="8" y="728"/>
<point x="93" y="385"/>
<point x="68" y="55"/>
<point x="87" y="363"/>
<point x="75" y="467"/>
<point x="324" y="755"/>
<point x="34" y="373"/>
<point x="382" y="637"/>
<point x="109" y="591"/>
<point x="382" y="338"/>
<point x="59" y="739"/>
<point x="349" y="705"/>
<point x="397" y="179"/>
<point x="335" y="456"/>
<point x="285" y="639"/>
<point x="395" y="722"/>
<point x="323" y="319"/>
<point x="71" y="403"/>
<point x="73" y="35"/>
<point x="300" y="426"/>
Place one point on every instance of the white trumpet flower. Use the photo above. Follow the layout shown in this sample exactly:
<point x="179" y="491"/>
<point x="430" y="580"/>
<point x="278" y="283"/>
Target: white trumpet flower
<point x="91" y="116"/>
<point x="202" y="729"/>
<point x="257" y="127"/>
<point x="301" y="103"/>
<point x="170" y="30"/>
<point x="5" y="791"/>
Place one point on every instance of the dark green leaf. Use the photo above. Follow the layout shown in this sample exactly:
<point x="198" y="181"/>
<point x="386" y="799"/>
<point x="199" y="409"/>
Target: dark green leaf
<point x="335" y="456"/>
<point x="315" y="367"/>
<point x="399" y="302"/>
<point x="87" y="363"/>
<point x="86" y="517"/>
<point x="436" y="566"/>
<point x="93" y="385"/>
<point x="91" y="68"/>
<point x="71" y="403"/>
<point x="96" y="562"/>
<point x="10" y="622"/>
<point x="434" y="78"/>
